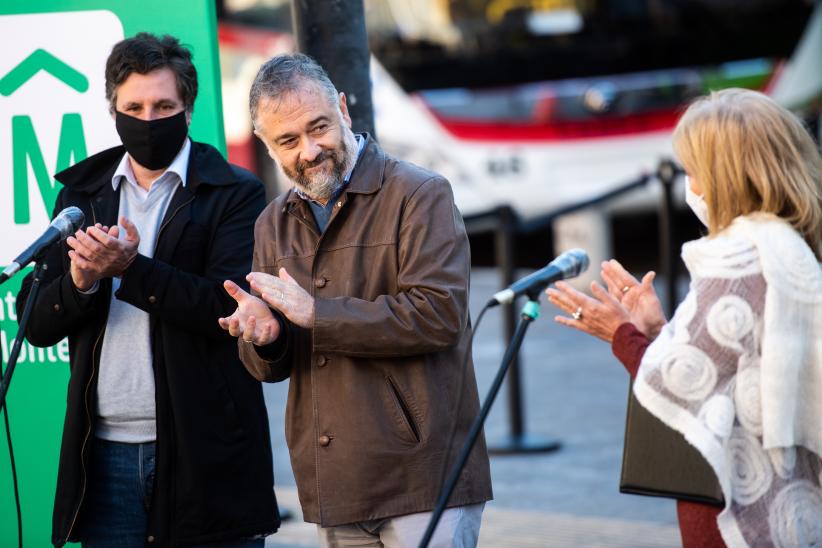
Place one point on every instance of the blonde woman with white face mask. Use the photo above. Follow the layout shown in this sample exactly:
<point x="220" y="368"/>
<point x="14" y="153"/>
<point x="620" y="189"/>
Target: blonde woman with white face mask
<point x="696" y="202"/>
<point x="738" y="369"/>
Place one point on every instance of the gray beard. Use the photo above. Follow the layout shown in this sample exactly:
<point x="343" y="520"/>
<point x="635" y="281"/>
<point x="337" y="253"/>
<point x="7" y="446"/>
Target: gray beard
<point x="323" y="185"/>
<point x="321" y="188"/>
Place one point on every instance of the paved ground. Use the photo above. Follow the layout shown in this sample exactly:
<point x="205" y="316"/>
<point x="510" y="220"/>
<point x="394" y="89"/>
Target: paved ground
<point x="574" y="391"/>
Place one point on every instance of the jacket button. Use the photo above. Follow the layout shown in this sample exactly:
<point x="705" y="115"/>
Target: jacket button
<point x="320" y="282"/>
<point x="57" y="308"/>
<point x="150" y="538"/>
<point x="152" y="299"/>
<point x="321" y="360"/>
<point x="324" y="441"/>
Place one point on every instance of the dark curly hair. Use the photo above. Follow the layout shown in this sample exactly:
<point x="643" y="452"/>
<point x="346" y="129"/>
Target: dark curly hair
<point x="145" y="53"/>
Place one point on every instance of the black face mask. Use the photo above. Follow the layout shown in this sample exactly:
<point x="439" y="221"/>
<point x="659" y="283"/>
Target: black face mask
<point x="153" y="144"/>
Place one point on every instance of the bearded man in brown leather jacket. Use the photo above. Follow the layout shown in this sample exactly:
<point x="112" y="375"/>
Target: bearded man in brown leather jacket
<point x="361" y="275"/>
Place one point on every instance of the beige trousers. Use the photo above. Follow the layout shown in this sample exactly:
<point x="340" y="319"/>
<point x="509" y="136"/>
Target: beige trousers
<point x="458" y="528"/>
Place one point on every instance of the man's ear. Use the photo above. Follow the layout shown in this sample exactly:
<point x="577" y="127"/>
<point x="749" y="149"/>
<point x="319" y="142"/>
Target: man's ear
<point x="344" y="109"/>
<point x="259" y="136"/>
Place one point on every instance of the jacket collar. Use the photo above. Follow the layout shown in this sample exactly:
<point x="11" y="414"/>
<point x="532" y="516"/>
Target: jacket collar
<point x="205" y="166"/>
<point x="366" y="178"/>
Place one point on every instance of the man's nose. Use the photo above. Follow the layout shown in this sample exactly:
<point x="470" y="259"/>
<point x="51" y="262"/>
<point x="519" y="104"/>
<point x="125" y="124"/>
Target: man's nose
<point x="310" y="150"/>
<point x="149" y="114"/>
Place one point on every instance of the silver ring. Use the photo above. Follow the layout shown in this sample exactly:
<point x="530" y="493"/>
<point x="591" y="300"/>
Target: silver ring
<point x="625" y="289"/>
<point x="282" y="296"/>
<point x="577" y="315"/>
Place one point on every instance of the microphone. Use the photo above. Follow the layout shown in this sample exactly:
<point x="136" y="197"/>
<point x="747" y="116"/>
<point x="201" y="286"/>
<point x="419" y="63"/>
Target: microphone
<point x="66" y="223"/>
<point x="568" y="265"/>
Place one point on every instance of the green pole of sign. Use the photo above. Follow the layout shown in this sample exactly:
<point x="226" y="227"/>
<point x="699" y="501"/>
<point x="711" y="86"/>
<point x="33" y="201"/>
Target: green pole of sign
<point x="53" y="114"/>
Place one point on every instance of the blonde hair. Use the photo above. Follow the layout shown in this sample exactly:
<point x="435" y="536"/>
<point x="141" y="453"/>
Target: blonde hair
<point x="749" y="155"/>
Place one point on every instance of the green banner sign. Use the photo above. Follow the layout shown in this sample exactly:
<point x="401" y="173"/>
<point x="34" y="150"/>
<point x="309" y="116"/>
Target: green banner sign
<point x="53" y="113"/>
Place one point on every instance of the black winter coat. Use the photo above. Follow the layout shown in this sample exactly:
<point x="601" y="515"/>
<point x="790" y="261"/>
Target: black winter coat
<point x="214" y="475"/>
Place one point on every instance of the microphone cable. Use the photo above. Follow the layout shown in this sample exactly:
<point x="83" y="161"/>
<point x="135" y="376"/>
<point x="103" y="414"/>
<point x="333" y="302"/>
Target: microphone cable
<point x="14" y="477"/>
<point x="460" y="395"/>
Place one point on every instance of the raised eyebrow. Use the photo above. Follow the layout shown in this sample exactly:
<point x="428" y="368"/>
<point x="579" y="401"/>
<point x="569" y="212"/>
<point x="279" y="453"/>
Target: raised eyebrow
<point x="319" y="119"/>
<point x="311" y="124"/>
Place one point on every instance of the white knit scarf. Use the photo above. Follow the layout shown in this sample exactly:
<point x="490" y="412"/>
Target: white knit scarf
<point x="738" y="370"/>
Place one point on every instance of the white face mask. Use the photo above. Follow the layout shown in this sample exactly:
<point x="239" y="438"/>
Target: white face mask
<point x="696" y="202"/>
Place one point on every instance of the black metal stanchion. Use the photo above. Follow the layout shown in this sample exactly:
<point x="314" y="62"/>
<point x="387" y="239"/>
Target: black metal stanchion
<point x="517" y="441"/>
<point x="530" y="312"/>
<point x="21" y="332"/>
<point x="666" y="173"/>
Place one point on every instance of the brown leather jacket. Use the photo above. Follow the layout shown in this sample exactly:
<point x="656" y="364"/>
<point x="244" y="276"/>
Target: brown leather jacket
<point x="374" y="383"/>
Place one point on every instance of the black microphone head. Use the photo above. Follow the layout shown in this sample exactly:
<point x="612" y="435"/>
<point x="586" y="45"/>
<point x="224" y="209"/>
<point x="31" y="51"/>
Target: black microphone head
<point x="572" y="263"/>
<point x="69" y="221"/>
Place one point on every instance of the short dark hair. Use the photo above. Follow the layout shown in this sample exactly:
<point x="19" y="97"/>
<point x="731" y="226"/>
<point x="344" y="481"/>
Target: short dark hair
<point x="285" y="73"/>
<point x="145" y="53"/>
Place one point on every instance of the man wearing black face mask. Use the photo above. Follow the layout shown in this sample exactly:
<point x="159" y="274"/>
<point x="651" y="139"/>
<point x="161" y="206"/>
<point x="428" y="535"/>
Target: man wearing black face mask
<point x="166" y="436"/>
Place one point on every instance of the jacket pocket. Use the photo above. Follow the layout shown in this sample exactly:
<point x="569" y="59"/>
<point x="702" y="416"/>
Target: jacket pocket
<point x="402" y="413"/>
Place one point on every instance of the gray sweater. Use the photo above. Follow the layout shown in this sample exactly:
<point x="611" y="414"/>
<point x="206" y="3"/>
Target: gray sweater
<point x="125" y="389"/>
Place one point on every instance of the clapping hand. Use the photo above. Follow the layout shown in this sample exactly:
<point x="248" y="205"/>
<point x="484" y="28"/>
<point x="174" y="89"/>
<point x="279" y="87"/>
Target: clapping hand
<point x="99" y="252"/>
<point x="639" y="298"/>
<point x="286" y="295"/>
<point x="599" y="315"/>
<point x="253" y="320"/>
<point x="625" y="300"/>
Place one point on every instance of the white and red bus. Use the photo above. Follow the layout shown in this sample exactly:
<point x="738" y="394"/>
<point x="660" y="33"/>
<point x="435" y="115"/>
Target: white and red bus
<point x="539" y="104"/>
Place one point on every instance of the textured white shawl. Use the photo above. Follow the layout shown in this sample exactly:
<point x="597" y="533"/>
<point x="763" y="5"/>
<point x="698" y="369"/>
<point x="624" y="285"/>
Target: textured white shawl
<point x="738" y="371"/>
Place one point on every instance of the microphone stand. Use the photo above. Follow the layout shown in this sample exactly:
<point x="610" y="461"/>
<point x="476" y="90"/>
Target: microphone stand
<point x="21" y="332"/>
<point x="530" y="312"/>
